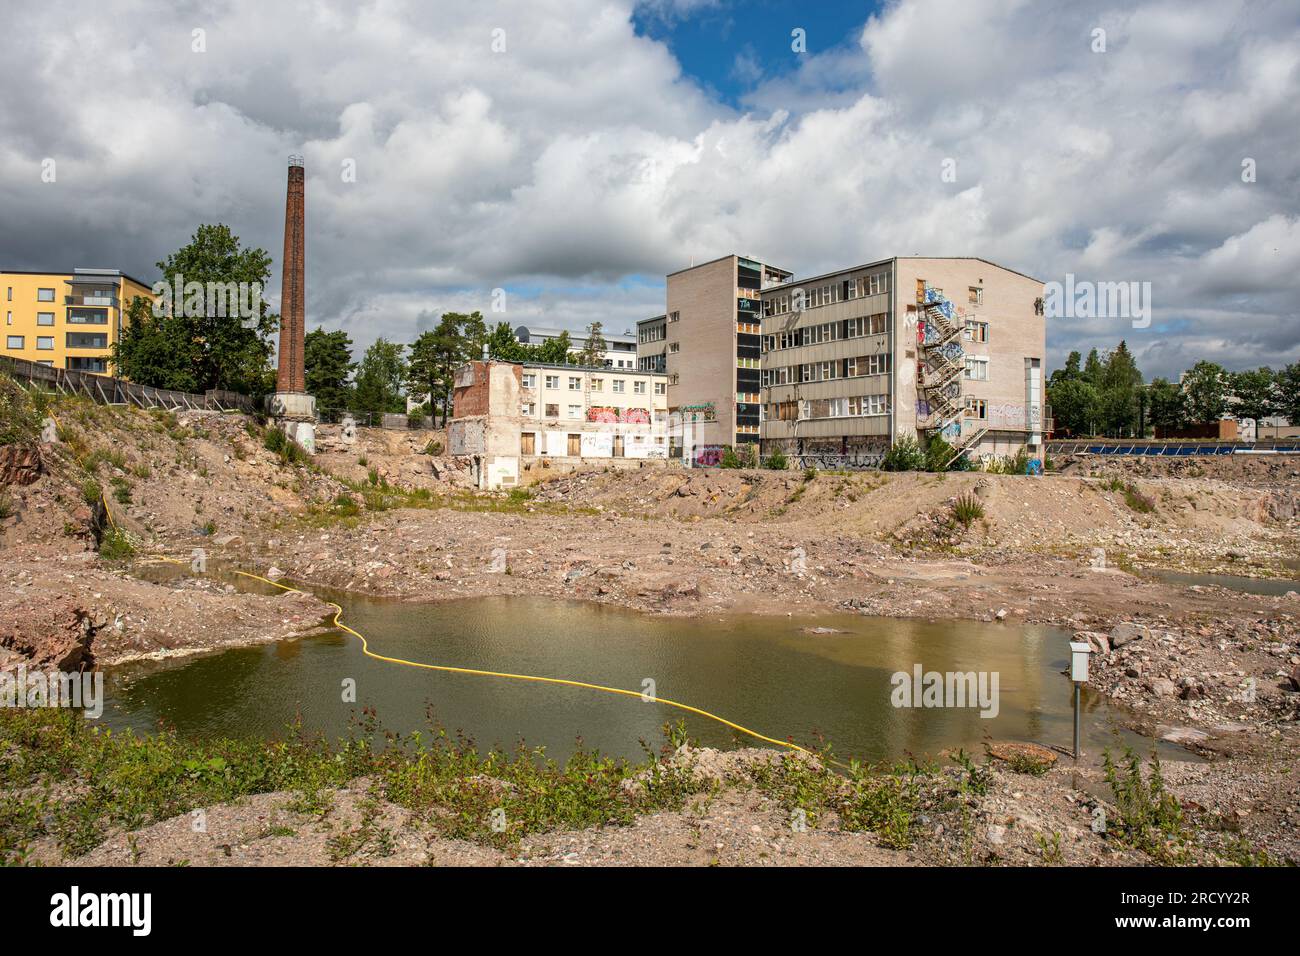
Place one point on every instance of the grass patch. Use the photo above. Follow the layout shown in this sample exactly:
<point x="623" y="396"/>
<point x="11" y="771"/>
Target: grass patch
<point x="967" y="509"/>
<point x="115" y="546"/>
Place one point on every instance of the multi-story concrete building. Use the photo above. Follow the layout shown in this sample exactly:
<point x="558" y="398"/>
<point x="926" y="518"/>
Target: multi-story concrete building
<point x="620" y="350"/>
<point x="67" y="320"/>
<point x="712" y="348"/>
<point x="857" y="358"/>
<point x="507" y="416"/>
<point x="651" y="344"/>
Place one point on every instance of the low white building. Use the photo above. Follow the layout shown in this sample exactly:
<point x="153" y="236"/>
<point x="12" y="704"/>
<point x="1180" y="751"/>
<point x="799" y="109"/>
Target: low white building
<point x="509" y="416"/>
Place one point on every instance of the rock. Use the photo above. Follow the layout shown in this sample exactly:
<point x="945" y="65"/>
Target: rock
<point x="20" y="465"/>
<point x="1122" y="634"/>
<point x="274" y="573"/>
<point x="1294" y="676"/>
<point x="1182" y="735"/>
<point x="997" y="835"/>
<point x="1014" y="751"/>
<point x="1162" y="688"/>
<point x="1098" y="641"/>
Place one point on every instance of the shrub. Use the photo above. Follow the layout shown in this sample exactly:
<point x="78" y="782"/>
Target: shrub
<point x="967" y="509"/>
<point x="115" y="546"/>
<point x="904" y="455"/>
<point x="20" y="417"/>
<point x="776" y="461"/>
<point x="90" y="491"/>
<point x="6" y="504"/>
<point x="1138" y="501"/>
<point x="286" y="448"/>
<point x="938" y="453"/>
<point x="433" y="447"/>
<point x="415" y="418"/>
<point x="1148" y="815"/>
<point x="738" y="457"/>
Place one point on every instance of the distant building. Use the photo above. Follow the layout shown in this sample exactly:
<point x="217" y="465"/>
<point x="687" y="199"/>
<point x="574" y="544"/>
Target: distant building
<point x="620" y="350"/>
<point x="710" y="349"/>
<point x="855" y="359"/>
<point x="67" y="320"/>
<point x="509" y="416"/>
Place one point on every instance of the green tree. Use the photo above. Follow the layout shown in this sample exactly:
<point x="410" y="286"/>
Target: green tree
<point x="380" y="377"/>
<point x="1093" y="369"/>
<point x="1205" y="392"/>
<point x="437" y="353"/>
<point x="504" y="347"/>
<point x="556" y="350"/>
<point x="1069" y="372"/>
<point x="1256" y="393"/>
<point x="1288" y="392"/>
<point x="1076" y="407"/>
<point x="202" y="340"/>
<point x="593" y="352"/>
<point x="1166" y="405"/>
<point x="1121" y="383"/>
<point x="328" y="357"/>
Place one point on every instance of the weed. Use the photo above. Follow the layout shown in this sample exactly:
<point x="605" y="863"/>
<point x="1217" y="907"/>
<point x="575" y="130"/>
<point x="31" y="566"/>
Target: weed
<point x="967" y="509"/>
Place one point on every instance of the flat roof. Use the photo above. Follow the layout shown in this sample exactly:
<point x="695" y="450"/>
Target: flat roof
<point x="75" y="273"/>
<point x="587" y="368"/>
<point x="653" y="318"/>
<point x="553" y="333"/>
<point x="881" y="262"/>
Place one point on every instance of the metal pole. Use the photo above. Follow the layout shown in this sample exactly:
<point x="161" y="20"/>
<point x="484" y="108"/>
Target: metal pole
<point x="1076" y="720"/>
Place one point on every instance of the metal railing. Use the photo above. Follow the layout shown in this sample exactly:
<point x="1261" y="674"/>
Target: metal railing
<point x="106" y="390"/>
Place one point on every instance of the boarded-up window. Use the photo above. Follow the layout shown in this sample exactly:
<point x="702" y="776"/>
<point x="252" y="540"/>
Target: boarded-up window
<point x="575" y="446"/>
<point x="528" y="443"/>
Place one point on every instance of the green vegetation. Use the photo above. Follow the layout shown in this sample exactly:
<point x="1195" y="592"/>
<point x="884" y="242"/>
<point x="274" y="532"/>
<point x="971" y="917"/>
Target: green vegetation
<point x="1106" y="395"/>
<point x="905" y="454"/>
<point x="115" y="546"/>
<point x="6" y="504"/>
<point x="1148" y="817"/>
<point x="433" y="447"/>
<point x="289" y="451"/>
<point x="967" y="509"/>
<point x="327" y="361"/>
<point x="21" y="413"/>
<point x="741" y="456"/>
<point x="63" y="778"/>
<point x="190" y="347"/>
<point x="776" y="461"/>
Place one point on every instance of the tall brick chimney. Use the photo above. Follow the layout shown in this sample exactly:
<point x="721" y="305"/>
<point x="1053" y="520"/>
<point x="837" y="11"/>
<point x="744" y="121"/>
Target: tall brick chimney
<point x="291" y="375"/>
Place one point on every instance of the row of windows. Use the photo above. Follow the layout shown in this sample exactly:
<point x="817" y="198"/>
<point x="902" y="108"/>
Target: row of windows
<point x="652" y="333"/>
<point x="74" y="340"/>
<point x="529" y="409"/>
<point x="827" y="371"/>
<point x="854" y="406"/>
<point x="799" y="299"/>
<point x="618" y="385"/>
<point x="855" y="328"/>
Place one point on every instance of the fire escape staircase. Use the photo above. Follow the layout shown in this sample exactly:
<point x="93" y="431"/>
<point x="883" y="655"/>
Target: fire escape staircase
<point x="944" y="360"/>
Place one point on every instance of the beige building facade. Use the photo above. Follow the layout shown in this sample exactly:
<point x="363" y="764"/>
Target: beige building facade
<point x="509" y="416"/>
<point x="712" y="348"/>
<point x="853" y="360"/>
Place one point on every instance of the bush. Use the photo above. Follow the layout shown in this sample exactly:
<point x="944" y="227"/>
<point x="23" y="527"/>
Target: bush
<point x="738" y="457"/>
<point x="415" y="418"/>
<point x="20" y="416"/>
<point x="904" y="455"/>
<point x="434" y="447"/>
<point x="776" y="461"/>
<point x="286" y="448"/>
<point x="967" y="509"/>
<point x="114" y="545"/>
<point x="938" y="453"/>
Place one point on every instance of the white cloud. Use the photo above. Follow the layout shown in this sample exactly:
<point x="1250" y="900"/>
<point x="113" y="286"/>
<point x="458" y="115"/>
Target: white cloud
<point x="580" y="158"/>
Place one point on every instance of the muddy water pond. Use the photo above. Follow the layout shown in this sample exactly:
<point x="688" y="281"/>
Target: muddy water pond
<point x="1274" y="587"/>
<point x="805" y="679"/>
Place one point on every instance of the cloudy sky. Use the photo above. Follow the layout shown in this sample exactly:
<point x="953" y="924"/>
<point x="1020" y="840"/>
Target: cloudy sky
<point x="572" y="152"/>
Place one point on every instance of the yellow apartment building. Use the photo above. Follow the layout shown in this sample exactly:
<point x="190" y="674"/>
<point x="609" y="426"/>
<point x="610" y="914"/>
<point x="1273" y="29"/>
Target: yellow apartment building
<point x="66" y="320"/>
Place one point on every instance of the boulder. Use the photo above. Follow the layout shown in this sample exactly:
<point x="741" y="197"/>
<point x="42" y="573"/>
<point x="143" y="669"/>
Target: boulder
<point x="1122" y="634"/>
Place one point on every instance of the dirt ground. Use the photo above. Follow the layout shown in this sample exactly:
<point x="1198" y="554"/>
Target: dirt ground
<point x="389" y="514"/>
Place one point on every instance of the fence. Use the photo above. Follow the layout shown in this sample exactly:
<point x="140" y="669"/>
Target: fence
<point x="334" y="416"/>
<point x="1181" y="448"/>
<point x="113" y="391"/>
